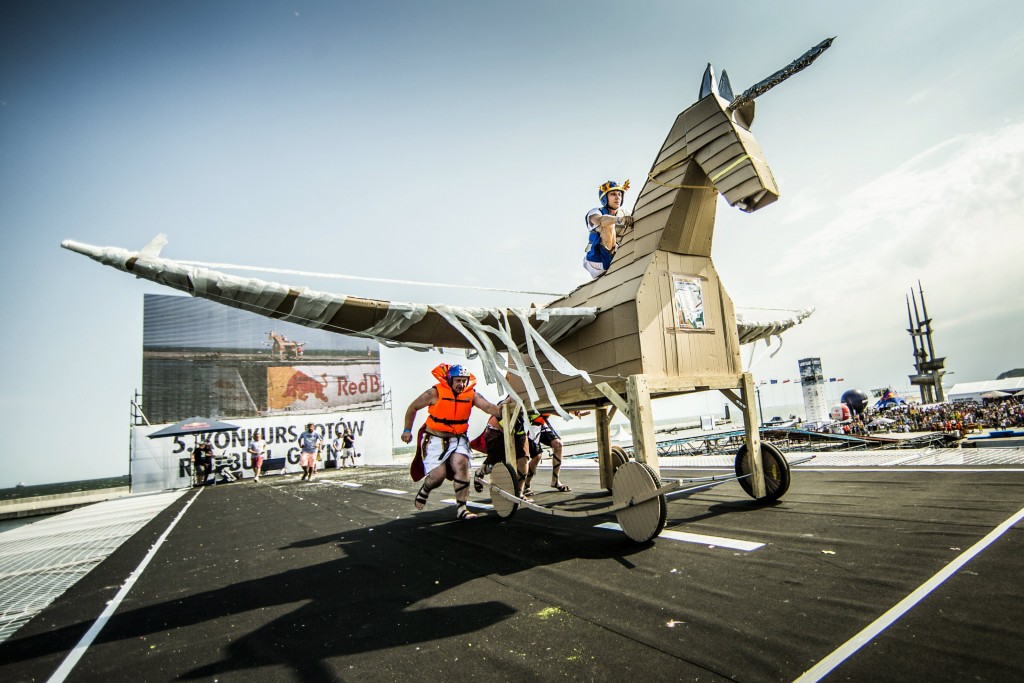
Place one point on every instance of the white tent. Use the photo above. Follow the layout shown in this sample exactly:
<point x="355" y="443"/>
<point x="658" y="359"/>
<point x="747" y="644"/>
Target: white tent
<point x="972" y="391"/>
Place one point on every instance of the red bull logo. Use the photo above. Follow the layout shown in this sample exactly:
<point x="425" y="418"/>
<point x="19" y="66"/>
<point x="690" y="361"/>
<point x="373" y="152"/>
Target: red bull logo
<point x="370" y="384"/>
<point x="300" y="386"/>
<point x="314" y="386"/>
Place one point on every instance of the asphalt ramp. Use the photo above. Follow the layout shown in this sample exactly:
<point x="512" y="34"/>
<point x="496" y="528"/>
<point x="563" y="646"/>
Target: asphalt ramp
<point x="870" y="574"/>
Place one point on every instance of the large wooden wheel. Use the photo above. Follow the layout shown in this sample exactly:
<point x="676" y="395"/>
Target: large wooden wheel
<point x="504" y="478"/>
<point x="619" y="458"/>
<point x="776" y="472"/>
<point x="643" y="521"/>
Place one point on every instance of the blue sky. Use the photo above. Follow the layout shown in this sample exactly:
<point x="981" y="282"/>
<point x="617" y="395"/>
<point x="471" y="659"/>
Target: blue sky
<point x="462" y="142"/>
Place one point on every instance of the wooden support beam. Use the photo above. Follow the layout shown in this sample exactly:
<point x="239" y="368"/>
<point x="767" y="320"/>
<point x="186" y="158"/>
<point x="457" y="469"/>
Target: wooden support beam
<point x="734" y="398"/>
<point x="614" y="397"/>
<point x="670" y="386"/>
<point x="641" y="422"/>
<point x="753" y="433"/>
<point x="604" y="445"/>
<point x="509" y="413"/>
<point x="587" y="396"/>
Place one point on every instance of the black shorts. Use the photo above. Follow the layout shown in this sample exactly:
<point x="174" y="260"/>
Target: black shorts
<point x="495" y="441"/>
<point x="547" y="435"/>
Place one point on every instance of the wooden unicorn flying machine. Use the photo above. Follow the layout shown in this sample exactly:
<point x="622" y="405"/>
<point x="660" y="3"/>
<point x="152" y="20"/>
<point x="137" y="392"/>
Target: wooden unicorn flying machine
<point x="658" y="323"/>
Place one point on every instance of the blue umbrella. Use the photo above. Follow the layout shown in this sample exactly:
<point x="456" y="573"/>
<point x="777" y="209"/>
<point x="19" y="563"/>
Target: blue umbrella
<point x="193" y="425"/>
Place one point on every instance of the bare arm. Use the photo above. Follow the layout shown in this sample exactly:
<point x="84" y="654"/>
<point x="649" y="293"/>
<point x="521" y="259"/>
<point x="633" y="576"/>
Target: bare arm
<point x="486" y="406"/>
<point x="598" y="220"/>
<point x="609" y="227"/>
<point x="427" y="398"/>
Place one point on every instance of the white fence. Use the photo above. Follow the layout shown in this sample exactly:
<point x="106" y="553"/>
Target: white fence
<point x="165" y="463"/>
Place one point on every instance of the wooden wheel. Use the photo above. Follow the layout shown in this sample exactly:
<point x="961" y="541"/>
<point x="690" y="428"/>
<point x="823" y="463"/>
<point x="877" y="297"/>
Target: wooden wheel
<point x="619" y="458"/>
<point x="503" y="477"/>
<point x="643" y="521"/>
<point x="776" y="472"/>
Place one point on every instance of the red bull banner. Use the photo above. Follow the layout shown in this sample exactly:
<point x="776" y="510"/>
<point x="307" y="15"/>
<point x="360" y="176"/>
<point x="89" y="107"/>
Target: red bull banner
<point x="312" y="387"/>
<point x="166" y="463"/>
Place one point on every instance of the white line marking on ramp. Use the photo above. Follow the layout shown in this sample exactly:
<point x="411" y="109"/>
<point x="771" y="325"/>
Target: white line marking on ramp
<point x="469" y="504"/>
<point x="76" y="653"/>
<point x="393" y="492"/>
<point x="841" y="654"/>
<point x="717" y="541"/>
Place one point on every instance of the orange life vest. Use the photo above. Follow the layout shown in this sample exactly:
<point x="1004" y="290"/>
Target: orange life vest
<point x="450" y="415"/>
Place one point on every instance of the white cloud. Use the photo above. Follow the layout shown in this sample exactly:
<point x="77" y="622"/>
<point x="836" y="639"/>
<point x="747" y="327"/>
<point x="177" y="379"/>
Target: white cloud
<point x="949" y="202"/>
<point x="917" y="97"/>
<point x="800" y="206"/>
<point x="953" y="217"/>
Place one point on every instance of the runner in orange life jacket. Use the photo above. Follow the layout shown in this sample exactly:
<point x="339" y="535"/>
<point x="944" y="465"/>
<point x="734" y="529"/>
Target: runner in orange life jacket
<point x="443" y="443"/>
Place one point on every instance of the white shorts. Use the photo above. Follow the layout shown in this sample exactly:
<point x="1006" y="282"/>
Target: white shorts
<point x="595" y="269"/>
<point x="435" y="454"/>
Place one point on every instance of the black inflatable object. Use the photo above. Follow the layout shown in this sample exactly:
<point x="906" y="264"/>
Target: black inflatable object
<point x="856" y="399"/>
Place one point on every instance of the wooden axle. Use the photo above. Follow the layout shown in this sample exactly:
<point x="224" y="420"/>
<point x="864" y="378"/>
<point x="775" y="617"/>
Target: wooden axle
<point x="639" y="498"/>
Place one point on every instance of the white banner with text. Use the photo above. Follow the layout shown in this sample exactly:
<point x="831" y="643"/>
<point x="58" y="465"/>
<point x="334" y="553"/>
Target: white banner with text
<point x="166" y="463"/>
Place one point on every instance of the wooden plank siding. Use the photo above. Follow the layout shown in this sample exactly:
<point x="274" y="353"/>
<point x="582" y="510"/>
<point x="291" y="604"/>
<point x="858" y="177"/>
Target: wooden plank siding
<point x="668" y="352"/>
<point x="662" y="196"/>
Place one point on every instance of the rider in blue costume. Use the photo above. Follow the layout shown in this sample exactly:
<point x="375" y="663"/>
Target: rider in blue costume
<point x="603" y="222"/>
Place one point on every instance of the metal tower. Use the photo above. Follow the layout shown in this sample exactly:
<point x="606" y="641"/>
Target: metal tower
<point x="929" y="368"/>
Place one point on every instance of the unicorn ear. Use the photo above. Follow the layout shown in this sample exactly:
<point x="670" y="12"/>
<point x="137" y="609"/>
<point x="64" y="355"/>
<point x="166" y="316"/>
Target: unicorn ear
<point x="724" y="89"/>
<point x="707" y="84"/>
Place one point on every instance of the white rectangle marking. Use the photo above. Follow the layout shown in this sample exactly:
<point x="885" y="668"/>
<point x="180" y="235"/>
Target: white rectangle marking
<point x="469" y="504"/>
<point x="393" y="492"/>
<point x="717" y="541"/>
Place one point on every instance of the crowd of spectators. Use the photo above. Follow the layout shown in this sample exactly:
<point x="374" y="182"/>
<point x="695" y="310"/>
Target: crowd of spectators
<point x="1002" y="413"/>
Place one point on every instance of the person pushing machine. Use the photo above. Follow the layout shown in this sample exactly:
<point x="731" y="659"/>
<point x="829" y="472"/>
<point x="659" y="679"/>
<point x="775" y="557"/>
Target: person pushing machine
<point x="442" y="450"/>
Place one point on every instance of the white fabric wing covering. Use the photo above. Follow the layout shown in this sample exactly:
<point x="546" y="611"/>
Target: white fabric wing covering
<point x="768" y="323"/>
<point x="316" y="309"/>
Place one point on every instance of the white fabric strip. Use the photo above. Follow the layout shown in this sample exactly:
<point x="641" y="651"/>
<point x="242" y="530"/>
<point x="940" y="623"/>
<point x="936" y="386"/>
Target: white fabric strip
<point x="490" y="361"/>
<point x="399" y="318"/>
<point x="556" y="406"/>
<point x="558" y="322"/>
